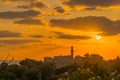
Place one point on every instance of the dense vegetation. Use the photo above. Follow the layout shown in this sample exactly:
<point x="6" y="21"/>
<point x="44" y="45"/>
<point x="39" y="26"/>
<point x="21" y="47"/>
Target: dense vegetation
<point x="91" y="67"/>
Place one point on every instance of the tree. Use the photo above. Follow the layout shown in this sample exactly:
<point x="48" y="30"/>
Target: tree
<point x="19" y="70"/>
<point x="30" y="63"/>
<point x="4" y="63"/>
<point x="48" y="71"/>
<point x="7" y="76"/>
<point x="31" y="74"/>
<point x="81" y="74"/>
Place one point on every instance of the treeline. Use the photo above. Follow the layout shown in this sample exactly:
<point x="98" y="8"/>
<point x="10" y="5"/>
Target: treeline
<point x="91" y="67"/>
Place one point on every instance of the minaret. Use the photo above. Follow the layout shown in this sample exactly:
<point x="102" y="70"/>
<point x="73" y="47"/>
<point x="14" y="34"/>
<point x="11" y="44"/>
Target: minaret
<point x="72" y="51"/>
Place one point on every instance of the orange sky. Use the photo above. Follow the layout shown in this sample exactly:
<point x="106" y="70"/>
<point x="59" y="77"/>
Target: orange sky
<point x="38" y="28"/>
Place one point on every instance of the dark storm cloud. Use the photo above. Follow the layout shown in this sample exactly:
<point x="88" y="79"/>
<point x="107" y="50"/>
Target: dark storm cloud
<point x="17" y="42"/>
<point x="101" y="3"/>
<point x="68" y="36"/>
<point x="18" y="14"/>
<point x="59" y="9"/>
<point x="90" y="23"/>
<point x="37" y="36"/>
<point x="33" y="4"/>
<point x="29" y="21"/>
<point x="9" y="34"/>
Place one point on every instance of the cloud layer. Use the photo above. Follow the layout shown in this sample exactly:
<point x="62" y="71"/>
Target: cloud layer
<point x="35" y="4"/>
<point x="17" y="0"/>
<point x="29" y="21"/>
<point x="9" y="34"/>
<point x="18" y="14"/>
<point x="61" y="35"/>
<point x="91" y="23"/>
<point x="17" y="42"/>
<point x="37" y="36"/>
<point x="101" y="3"/>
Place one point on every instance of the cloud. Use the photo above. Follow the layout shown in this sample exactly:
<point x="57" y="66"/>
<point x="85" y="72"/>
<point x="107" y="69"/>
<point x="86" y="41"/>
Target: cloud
<point x="9" y="34"/>
<point x="10" y="0"/>
<point x="16" y="42"/>
<point x="29" y="21"/>
<point x="59" y="9"/>
<point x="17" y="0"/>
<point x="35" y="4"/>
<point x="118" y="40"/>
<point x="91" y="23"/>
<point x="91" y="8"/>
<point x="68" y="36"/>
<point x="100" y="3"/>
<point x="73" y="37"/>
<point x="36" y="36"/>
<point x="18" y="14"/>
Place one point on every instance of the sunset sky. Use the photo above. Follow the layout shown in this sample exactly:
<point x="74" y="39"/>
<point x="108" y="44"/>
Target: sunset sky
<point x="38" y="28"/>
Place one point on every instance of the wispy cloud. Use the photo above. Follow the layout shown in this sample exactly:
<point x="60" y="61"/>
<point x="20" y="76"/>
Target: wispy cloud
<point x="29" y="21"/>
<point x="9" y="34"/>
<point x="37" y="36"/>
<point x="18" y="14"/>
<point x="61" y="35"/>
<point x="17" y="42"/>
<point x="34" y="4"/>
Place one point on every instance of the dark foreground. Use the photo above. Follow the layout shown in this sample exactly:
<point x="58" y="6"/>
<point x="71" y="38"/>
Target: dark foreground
<point x="91" y="67"/>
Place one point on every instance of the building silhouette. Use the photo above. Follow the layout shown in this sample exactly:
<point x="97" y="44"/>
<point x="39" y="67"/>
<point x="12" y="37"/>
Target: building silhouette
<point x="61" y="61"/>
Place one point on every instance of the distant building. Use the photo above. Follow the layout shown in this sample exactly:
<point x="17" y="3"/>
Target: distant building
<point x="48" y="60"/>
<point x="61" y="61"/>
